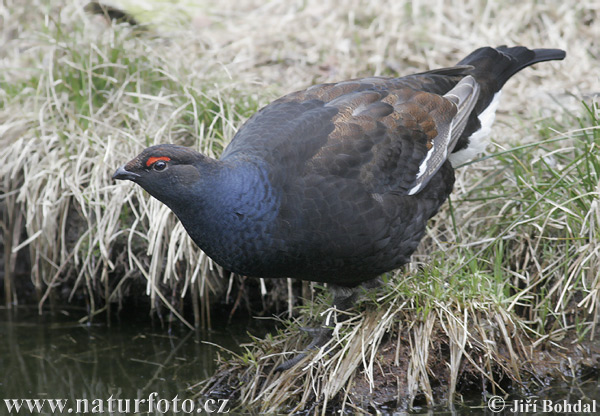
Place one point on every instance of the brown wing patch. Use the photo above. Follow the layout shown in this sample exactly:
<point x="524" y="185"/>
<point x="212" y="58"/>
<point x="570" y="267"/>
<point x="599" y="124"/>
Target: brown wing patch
<point x="381" y="137"/>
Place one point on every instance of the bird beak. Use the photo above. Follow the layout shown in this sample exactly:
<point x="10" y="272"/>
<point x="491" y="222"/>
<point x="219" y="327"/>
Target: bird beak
<point x="123" y="174"/>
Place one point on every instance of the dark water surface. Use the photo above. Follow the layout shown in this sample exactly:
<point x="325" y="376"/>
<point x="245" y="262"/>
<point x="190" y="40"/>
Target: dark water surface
<point x="43" y="357"/>
<point x="57" y="358"/>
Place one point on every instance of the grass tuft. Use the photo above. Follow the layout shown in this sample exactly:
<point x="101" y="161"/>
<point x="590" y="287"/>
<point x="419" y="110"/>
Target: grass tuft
<point x="98" y="99"/>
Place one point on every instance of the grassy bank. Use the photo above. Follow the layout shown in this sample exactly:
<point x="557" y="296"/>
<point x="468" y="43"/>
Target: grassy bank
<point x="508" y="271"/>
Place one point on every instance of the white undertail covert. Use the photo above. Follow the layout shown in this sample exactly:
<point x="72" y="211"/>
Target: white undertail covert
<point x="478" y="140"/>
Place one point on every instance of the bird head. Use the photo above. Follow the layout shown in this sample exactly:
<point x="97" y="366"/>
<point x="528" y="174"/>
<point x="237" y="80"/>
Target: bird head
<point x="166" y="171"/>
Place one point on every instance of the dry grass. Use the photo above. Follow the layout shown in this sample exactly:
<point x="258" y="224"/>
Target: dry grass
<point x="512" y="267"/>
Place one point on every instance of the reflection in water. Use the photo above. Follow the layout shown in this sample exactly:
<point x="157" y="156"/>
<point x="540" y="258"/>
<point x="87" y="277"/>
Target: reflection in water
<point x="58" y="359"/>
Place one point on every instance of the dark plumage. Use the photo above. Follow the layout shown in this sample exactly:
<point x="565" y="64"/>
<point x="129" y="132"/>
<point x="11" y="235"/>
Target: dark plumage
<point x="334" y="183"/>
<point x="110" y="13"/>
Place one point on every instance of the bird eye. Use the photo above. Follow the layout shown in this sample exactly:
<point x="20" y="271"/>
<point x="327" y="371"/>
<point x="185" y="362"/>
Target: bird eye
<point x="159" y="165"/>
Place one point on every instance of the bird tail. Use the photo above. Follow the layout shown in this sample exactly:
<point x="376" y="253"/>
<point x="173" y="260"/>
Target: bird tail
<point x="491" y="68"/>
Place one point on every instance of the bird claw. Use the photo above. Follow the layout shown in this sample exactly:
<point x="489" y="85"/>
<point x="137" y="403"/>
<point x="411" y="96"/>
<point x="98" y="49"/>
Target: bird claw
<point x="286" y="365"/>
<point x="320" y="336"/>
<point x="313" y="332"/>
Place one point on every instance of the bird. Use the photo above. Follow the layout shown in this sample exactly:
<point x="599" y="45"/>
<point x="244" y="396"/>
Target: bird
<point x="334" y="183"/>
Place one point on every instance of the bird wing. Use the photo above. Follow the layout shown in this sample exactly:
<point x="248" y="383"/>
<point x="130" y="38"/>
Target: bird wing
<point x="464" y="97"/>
<point x="383" y="132"/>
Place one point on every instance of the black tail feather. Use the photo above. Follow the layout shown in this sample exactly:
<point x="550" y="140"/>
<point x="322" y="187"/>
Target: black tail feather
<point x="492" y="67"/>
<point x="497" y="65"/>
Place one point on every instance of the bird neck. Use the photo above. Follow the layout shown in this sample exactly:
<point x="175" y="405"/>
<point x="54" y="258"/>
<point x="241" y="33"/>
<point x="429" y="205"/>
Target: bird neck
<point x="232" y="205"/>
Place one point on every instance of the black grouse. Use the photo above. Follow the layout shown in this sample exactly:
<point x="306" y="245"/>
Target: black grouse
<point x="334" y="183"/>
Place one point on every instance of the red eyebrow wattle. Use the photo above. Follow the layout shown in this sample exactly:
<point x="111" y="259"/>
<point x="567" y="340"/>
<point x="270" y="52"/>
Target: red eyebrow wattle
<point x="153" y="159"/>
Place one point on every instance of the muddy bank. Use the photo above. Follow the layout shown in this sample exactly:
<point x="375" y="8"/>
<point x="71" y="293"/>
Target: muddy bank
<point x="414" y="365"/>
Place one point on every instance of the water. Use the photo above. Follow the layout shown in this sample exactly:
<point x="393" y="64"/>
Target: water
<point x="56" y="358"/>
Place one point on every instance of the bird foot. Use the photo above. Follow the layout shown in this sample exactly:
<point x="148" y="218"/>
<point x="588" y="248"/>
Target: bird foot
<point x="320" y="337"/>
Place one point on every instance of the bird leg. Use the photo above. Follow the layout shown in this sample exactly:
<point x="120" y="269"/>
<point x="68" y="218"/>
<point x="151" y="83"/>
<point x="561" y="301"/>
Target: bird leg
<point x="320" y="337"/>
<point x="343" y="299"/>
